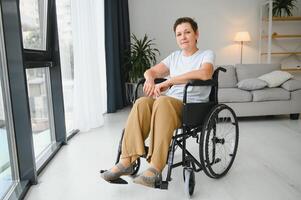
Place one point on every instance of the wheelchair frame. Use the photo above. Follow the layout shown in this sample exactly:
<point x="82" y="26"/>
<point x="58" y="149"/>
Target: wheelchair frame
<point x="191" y="127"/>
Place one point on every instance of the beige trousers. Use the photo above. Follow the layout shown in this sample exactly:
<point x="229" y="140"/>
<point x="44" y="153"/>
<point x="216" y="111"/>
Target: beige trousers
<point x="156" y="119"/>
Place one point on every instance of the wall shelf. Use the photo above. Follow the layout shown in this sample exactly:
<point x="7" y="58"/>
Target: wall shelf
<point x="283" y="36"/>
<point x="276" y="37"/>
<point x="291" y="69"/>
<point x="288" y="18"/>
<point x="282" y="53"/>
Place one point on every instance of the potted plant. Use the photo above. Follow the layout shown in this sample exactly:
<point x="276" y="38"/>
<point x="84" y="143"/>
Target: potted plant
<point x="140" y="57"/>
<point x="283" y="7"/>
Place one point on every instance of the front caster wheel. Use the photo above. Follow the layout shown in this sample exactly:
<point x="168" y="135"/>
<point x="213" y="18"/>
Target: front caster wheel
<point x="189" y="181"/>
<point x="136" y="167"/>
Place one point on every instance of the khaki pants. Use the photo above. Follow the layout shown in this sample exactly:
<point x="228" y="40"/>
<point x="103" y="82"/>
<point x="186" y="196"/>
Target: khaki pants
<point x="156" y="118"/>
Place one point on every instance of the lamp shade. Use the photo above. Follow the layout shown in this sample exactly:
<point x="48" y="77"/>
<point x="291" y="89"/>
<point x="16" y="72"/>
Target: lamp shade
<point x="242" y="37"/>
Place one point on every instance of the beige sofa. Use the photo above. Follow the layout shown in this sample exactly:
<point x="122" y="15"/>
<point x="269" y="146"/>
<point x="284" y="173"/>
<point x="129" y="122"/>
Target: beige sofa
<point x="285" y="99"/>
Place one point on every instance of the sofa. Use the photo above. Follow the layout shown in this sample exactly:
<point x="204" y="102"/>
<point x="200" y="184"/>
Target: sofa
<point x="284" y="99"/>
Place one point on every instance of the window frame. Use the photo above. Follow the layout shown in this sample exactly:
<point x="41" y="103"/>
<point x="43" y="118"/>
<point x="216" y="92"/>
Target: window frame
<point x="18" y="60"/>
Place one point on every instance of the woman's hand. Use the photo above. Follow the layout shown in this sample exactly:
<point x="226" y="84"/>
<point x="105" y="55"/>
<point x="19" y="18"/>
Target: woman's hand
<point x="161" y="87"/>
<point x="148" y="87"/>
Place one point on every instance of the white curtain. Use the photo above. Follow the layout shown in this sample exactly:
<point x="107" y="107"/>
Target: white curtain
<point x="89" y="63"/>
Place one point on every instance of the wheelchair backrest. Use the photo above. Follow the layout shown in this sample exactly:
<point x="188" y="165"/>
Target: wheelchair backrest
<point x="213" y="97"/>
<point x="194" y="114"/>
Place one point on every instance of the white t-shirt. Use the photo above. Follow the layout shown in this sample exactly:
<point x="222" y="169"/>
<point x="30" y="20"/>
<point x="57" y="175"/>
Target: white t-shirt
<point x="179" y="64"/>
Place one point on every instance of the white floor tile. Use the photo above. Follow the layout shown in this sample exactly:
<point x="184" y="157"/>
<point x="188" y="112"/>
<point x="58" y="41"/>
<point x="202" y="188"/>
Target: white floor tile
<point x="267" y="166"/>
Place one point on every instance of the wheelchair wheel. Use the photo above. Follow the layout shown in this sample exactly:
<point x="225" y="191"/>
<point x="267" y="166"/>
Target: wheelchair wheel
<point x="219" y="141"/>
<point x="189" y="181"/>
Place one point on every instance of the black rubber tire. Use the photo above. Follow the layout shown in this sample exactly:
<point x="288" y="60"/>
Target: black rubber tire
<point x="210" y="133"/>
<point x="136" y="167"/>
<point x="189" y="181"/>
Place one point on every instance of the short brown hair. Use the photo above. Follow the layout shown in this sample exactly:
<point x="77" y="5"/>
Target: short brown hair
<point x="189" y="20"/>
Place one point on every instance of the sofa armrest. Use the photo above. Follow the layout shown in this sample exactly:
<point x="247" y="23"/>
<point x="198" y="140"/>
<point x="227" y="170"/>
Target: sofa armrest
<point x="292" y="85"/>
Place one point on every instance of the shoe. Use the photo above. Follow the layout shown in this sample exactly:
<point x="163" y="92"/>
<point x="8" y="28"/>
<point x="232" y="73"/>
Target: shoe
<point x="149" y="181"/>
<point x="108" y="175"/>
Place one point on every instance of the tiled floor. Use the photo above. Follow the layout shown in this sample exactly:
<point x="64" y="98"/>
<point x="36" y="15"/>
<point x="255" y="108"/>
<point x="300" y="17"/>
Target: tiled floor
<point x="267" y="166"/>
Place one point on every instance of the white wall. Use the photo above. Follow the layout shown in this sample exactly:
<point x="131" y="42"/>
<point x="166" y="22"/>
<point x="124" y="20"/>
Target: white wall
<point x="218" y="22"/>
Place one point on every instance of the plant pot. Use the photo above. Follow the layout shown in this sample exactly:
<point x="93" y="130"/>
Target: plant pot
<point x="130" y="92"/>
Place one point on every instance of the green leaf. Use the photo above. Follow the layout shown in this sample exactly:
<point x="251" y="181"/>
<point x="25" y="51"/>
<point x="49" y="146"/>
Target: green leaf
<point x="140" y="57"/>
<point x="285" y="6"/>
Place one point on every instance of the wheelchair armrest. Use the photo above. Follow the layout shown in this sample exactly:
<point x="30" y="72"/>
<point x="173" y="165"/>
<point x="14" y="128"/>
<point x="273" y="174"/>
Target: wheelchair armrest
<point x="142" y="81"/>
<point x="196" y="82"/>
<point x="211" y="82"/>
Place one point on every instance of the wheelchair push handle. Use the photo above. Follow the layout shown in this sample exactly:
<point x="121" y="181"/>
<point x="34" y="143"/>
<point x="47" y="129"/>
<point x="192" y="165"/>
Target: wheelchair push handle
<point x="221" y="69"/>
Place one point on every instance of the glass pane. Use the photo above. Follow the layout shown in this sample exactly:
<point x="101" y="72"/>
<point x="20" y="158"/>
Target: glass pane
<point x="39" y="101"/>
<point x="6" y="178"/>
<point x="8" y="164"/>
<point x="67" y="61"/>
<point x="34" y="23"/>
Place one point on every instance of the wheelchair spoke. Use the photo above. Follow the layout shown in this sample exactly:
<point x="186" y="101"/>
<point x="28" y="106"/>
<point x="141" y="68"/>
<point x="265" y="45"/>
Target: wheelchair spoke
<point x="225" y="157"/>
<point x="226" y="129"/>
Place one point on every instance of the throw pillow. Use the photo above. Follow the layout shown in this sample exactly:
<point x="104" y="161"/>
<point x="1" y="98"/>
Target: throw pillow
<point x="292" y="85"/>
<point x="251" y="84"/>
<point x="275" y="78"/>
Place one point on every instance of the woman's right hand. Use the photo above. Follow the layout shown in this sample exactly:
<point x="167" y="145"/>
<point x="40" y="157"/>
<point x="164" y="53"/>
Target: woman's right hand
<point x="148" y="87"/>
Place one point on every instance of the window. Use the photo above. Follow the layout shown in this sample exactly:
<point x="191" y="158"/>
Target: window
<point x="34" y="23"/>
<point x="39" y="31"/>
<point x="6" y="178"/>
<point x="34" y="121"/>
<point x="67" y="59"/>
<point x="39" y="95"/>
<point x="34" y="29"/>
<point x="8" y="165"/>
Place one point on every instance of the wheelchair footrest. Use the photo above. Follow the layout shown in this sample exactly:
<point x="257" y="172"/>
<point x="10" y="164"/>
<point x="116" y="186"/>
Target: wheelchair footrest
<point x="119" y="181"/>
<point x="163" y="185"/>
<point x="116" y="181"/>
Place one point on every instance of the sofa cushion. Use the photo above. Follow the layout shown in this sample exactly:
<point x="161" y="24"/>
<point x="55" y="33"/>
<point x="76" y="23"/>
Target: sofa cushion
<point x="229" y="95"/>
<point x="271" y="94"/>
<point x="251" y="84"/>
<point x="275" y="78"/>
<point x="227" y="79"/>
<point x="292" y="85"/>
<point x="244" y="71"/>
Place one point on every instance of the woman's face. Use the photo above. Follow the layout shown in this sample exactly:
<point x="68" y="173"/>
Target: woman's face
<point x="186" y="37"/>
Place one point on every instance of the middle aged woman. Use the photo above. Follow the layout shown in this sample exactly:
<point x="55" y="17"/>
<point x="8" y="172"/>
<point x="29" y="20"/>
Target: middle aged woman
<point x="157" y="116"/>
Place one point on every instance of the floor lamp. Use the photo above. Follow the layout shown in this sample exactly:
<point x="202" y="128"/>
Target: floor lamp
<point x="242" y="37"/>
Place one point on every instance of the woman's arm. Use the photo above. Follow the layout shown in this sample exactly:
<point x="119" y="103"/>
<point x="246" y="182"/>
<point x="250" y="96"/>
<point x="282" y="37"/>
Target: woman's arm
<point x="204" y="73"/>
<point x="157" y="71"/>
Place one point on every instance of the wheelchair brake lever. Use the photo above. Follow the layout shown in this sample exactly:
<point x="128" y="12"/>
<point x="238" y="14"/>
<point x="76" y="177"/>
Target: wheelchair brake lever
<point x="195" y="135"/>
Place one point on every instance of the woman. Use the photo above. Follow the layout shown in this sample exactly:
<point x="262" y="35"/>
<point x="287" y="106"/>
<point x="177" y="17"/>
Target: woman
<point x="157" y="116"/>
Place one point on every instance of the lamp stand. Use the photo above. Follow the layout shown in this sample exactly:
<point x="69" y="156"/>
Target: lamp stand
<point x="241" y="46"/>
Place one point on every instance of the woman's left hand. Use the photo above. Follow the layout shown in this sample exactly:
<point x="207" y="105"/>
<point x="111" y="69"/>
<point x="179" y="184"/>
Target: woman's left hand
<point x="161" y="87"/>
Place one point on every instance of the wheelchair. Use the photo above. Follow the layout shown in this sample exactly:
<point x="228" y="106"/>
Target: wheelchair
<point x="215" y="128"/>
